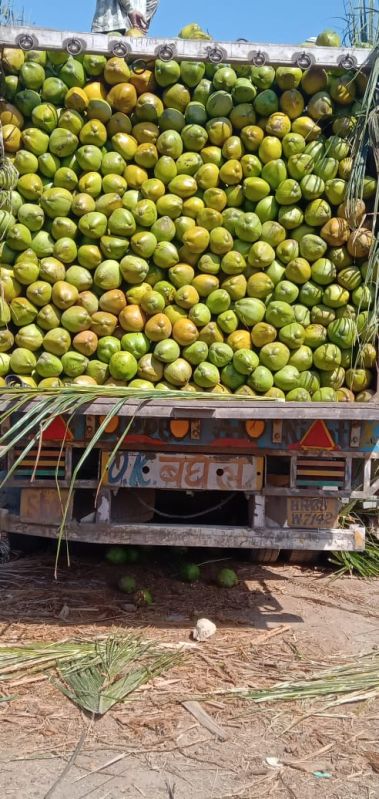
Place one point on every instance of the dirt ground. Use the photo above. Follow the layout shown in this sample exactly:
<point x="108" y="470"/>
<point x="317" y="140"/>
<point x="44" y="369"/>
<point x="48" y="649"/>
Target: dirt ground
<point x="279" y="623"/>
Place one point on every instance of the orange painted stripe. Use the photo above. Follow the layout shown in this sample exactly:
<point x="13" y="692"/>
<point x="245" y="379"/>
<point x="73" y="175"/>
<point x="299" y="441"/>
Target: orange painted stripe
<point x="318" y="473"/>
<point x="41" y="464"/>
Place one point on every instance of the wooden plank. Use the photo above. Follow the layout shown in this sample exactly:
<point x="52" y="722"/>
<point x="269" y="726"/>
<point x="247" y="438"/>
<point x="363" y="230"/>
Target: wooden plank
<point x="318" y="462"/>
<point x="42" y="463"/>
<point x="277" y="480"/>
<point x="197" y="711"/>
<point x="231" y="409"/>
<point x="42" y="505"/>
<point x="45" y="453"/>
<point x="321" y="473"/>
<point x="184" y="535"/>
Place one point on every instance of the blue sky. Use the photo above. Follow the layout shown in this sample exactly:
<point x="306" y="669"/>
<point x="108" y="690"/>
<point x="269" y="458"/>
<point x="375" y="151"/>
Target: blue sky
<point x="277" y="21"/>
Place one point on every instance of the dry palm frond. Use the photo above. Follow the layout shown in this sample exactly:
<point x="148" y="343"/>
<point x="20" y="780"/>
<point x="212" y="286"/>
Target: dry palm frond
<point x="19" y="661"/>
<point x="94" y="674"/>
<point x="118" y="667"/>
<point x="356" y="680"/>
<point x="364" y="564"/>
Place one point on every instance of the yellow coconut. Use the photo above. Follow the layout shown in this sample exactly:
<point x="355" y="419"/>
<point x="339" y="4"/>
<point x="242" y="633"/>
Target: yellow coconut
<point x="335" y="232"/>
<point x="146" y="132"/>
<point x="119" y="123"/>
<point x="10" y="115"/>
<point x="103" y="324"/>
<point x="239" y="340"/>
<point x="292" y="103"/>
<point x="315" y="79"/>
<point x="137" y="32"/>
<point x="76" y="99"/>
<point x="135" y="176"/>
<point x="113" y="301"/>
<point x="307" y="127"/>
<point x="158" y="327"/>
<point x="185" y="332"/>
<point x="123" y="97"/>
<point x="278" y="124"/>
<point x="143" y="81"/>
<point x="86" y="342"/>
<point x="11" y="138"/>
<point x="132" y="319"/>
<point x="96" y="91"/>
<point x="116" y="71"/>
<point x="12" y="60"/>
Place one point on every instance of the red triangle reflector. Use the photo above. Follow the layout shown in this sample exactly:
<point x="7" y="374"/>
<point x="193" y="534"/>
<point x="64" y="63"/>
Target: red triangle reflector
<point x="57" y="431"/>
<point x="317" y="437"/>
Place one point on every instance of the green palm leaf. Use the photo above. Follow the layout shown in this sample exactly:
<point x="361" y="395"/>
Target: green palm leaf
<point x="118" y="667"/>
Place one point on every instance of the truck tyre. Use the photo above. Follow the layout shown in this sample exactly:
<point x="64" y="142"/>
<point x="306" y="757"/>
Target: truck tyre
<point x="264" y="555"/>
<point x="302" y="557"/>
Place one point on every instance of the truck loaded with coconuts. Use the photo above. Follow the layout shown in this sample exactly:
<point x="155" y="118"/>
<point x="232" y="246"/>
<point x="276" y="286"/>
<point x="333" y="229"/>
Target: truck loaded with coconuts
<point x="189" y="283"/>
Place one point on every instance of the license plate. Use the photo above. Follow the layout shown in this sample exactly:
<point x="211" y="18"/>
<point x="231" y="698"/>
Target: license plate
<point x="313" y="512"/>
<point x="192" y="472"/>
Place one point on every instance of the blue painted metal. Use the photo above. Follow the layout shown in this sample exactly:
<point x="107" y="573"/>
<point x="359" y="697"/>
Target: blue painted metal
<point x="230" y="435"/>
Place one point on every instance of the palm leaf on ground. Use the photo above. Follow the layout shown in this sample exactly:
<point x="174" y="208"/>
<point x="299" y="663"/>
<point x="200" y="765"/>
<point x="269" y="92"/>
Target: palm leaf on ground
<point x="117" y="668"/>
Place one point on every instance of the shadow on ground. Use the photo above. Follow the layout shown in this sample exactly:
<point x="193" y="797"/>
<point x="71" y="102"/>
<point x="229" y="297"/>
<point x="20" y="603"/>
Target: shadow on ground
<point x="86" y="592"/>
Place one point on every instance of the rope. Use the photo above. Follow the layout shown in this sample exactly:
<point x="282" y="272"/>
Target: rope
<point x="186" y="515"/>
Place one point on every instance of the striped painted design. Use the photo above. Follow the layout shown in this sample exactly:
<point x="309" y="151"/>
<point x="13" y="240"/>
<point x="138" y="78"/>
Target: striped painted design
<point x="46" y="460"/>
<point x="318" y="472"/>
